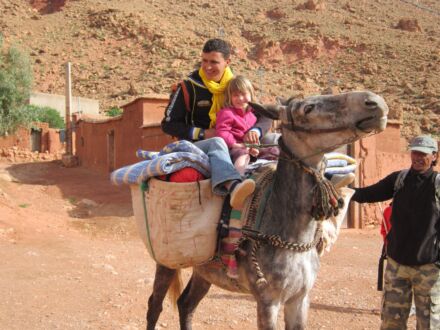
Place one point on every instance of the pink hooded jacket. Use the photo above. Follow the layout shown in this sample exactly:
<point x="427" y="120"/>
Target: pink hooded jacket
<point x="232" y="124"/>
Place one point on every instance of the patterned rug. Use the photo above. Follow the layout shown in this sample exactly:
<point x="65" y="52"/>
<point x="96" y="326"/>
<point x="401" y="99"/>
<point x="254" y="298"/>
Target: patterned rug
<point x="249" y="218"/>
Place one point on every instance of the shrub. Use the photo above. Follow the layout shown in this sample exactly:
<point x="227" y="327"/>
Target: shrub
<point x="15" y="86"/>
<point x="114" y="111"/>
<point x="46" y="115"/>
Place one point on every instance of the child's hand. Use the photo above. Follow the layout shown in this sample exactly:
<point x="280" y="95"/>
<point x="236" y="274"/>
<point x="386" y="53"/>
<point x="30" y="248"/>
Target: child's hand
<point x="251" y="137"/>
<point x="238" y="145"/>
<point x="254" y="152"/>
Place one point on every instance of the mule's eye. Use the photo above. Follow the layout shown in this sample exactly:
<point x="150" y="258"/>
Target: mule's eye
<point x="308" y="108"/>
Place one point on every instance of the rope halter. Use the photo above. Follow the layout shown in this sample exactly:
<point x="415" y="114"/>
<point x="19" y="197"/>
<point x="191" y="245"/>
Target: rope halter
<point x="326" y="200"/>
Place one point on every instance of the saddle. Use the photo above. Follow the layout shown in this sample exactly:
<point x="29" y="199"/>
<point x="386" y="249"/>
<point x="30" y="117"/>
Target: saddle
<point x="234" y="222"/>
<point x="252" y="211"/>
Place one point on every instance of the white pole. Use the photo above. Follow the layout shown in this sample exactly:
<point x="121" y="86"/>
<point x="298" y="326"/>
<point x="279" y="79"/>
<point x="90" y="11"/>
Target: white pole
<point x="68" y="107"/>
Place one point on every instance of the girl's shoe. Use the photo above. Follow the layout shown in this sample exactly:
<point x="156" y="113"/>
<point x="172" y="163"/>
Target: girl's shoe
<point x="240" y="192"/>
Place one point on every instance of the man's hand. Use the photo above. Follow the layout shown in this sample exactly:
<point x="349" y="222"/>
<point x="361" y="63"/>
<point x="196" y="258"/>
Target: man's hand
<point x="210" y="133"/>
<point x="251" y="137"/>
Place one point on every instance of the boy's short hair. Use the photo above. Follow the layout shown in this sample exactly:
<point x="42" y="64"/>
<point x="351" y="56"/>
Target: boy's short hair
<point x="238" y="84"/>
<point x="217" y="45"/>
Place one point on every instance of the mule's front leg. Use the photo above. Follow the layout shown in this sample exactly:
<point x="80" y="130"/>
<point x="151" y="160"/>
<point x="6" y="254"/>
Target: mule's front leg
<point x="267" y="315"/>
<point x="295" y="313"/>
<point x="162" y="281"/>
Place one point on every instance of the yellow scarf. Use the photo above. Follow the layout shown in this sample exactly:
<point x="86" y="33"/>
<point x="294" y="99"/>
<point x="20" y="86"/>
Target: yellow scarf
<point x="217" y="89"/>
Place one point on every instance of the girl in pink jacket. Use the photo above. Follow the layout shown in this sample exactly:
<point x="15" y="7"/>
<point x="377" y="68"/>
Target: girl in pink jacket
<point x="236" y="119"/>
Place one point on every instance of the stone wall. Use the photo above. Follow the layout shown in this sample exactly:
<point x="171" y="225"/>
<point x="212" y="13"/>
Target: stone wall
<point x="17" y="155"/>
<point x="19" y="146"/>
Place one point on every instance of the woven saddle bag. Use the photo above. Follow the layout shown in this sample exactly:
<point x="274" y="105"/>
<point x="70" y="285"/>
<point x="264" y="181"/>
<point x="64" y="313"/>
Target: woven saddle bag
<point x="177" y="221"/>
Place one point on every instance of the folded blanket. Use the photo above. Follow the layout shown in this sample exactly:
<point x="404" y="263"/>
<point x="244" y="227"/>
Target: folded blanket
<point x="336" y="163"/>
<point x="183" y="145"/>
<point x="144" y="154"/>
<point x="173" y="157"/>
<point x="340" y="170"/>
<point x="338" y="155"/>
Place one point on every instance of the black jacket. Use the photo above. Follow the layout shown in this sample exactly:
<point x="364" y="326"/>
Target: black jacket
<point x="414" y="235"/>
<point x="181" y="123"/>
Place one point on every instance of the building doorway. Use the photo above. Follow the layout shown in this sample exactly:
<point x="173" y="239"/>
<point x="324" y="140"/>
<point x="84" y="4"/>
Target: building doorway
<point x="111" y="150"/>
<point x="35" y="140"/>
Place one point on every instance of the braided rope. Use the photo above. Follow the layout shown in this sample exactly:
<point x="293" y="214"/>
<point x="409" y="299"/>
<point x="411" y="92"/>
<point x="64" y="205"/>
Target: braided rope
<point x="276" y="241"/>
<point x="261" y="281"/>
<point x="259" y="146"/>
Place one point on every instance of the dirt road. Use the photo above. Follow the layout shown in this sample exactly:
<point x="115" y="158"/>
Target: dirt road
<point x="71" y="259"/>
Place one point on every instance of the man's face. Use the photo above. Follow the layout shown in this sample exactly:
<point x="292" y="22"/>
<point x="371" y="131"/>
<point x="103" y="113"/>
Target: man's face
<point x="214" y="65"/>
<point x="421" y="162"/>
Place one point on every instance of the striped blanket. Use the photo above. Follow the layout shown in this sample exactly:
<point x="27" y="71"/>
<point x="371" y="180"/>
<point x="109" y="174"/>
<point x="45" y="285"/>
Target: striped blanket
<point x="173" y="157"/>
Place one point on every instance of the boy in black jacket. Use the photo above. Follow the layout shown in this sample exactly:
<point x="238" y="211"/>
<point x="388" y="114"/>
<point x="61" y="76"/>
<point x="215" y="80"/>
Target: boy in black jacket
<point x="191" y="115"/>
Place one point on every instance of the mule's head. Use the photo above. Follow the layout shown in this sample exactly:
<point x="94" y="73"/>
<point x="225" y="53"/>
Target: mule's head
<point x="320" y="124"/>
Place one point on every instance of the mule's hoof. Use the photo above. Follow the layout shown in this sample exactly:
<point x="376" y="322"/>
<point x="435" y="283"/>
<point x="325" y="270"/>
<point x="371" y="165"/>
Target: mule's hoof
<point x="241" y="192"/>
<point x="342" y="180"/>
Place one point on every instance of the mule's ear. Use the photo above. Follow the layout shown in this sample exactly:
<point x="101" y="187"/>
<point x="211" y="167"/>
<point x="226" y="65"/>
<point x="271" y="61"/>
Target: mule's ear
<point x="282" y="101"/>
<point x="271" y="111"/>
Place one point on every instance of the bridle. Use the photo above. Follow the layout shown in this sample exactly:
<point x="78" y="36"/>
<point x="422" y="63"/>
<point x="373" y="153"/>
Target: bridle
<point x="291" y="126"/>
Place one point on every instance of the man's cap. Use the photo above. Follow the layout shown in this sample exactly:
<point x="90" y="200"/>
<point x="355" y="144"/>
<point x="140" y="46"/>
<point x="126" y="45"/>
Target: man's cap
<point x="424" y="143"/>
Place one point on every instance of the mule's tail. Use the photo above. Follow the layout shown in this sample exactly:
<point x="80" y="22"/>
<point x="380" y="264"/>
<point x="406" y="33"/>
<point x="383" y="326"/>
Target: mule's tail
<point x="175" y="288"/>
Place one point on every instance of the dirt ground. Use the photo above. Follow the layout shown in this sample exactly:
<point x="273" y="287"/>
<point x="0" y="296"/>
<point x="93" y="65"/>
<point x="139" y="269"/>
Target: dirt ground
<point x="71" y="259"/>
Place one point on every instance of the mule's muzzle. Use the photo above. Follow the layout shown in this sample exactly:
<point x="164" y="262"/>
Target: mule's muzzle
<point x="372" y="123"/>
<point x="376" y="119"/>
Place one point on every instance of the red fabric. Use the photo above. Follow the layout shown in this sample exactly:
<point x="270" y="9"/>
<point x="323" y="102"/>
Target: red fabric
<point x="386" y="224"/>
<point x="187" y="174"/>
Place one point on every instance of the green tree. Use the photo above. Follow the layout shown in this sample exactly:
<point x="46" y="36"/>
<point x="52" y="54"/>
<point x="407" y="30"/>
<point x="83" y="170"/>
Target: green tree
<point x="15" y="87"/>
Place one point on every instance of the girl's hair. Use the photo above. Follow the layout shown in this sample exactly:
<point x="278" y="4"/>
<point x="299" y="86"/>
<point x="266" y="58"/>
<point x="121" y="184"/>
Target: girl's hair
<point x="238" y="84"/>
